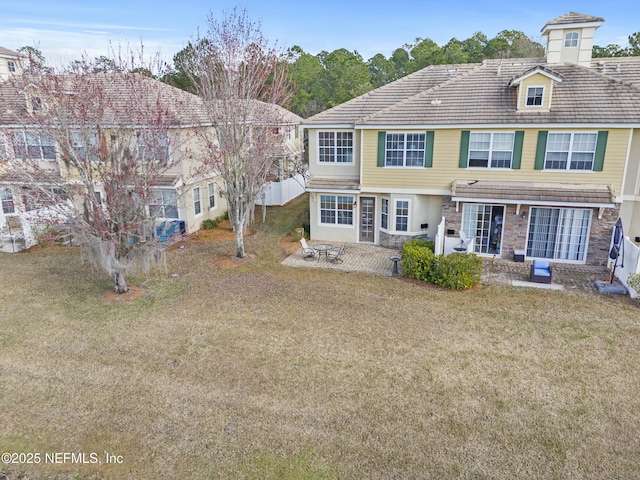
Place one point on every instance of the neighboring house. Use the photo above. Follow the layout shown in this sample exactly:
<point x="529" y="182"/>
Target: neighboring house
<point x="9" y="63"/>
<point x="187" y="192"/>
<point x="540" y="155"/>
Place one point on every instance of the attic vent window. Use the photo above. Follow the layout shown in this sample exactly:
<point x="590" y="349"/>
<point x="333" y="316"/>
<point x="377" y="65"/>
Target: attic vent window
<point x="534" y="96"/>
<point x="571" y="39"/>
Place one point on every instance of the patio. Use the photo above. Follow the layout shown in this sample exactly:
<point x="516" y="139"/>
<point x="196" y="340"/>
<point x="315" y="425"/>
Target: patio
<point x="360" y="257"/>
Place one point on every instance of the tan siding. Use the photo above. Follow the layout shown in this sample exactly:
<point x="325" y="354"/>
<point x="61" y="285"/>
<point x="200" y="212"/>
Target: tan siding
<point x="446" y="156"/>
<point x="330" y="169"/>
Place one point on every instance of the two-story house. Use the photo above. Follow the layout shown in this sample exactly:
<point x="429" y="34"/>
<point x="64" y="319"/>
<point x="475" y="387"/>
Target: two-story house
<point x="539" y="155"/>
<point x="185" y="194"/>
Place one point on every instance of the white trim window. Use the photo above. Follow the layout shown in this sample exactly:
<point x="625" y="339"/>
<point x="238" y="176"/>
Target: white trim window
<point x="405" y="149"/>
<point x="6" y="198"/>
<point x="11" y="65"/>
<point x="558" y="233"/>
<point x="402" y="215"/>
<point x="336" y="209"/>
<point x="153" y="146"/>
<point x="384" y="213"/>
<point x="570" y="151"/>
<point x="31" y="145"/>
<point x="79" y="142"/>
<point x="335" y="147"/>
<point x="211" y="190"/>
<point x="491" y="150"/>
<point x="571" y="39"/>
<point x="164" y="204"/>
<point x="197" y="203"/>
<point x="535" y="96"/>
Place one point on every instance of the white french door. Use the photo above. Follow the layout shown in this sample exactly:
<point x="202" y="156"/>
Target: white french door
<point x="484" y="223"/>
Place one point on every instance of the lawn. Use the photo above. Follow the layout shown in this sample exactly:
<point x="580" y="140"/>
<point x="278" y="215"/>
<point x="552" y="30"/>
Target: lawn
<point x="268" y="372"/>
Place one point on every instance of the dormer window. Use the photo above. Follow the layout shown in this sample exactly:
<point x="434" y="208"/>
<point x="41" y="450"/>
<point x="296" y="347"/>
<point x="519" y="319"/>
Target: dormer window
<point x="571" y="39"/>
<point x="36" y="104"/>
<point x="534" y="96"/>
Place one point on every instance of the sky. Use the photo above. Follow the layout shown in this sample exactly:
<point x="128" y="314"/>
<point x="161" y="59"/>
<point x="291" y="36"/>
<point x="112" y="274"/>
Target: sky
<point x="67" y="30"/>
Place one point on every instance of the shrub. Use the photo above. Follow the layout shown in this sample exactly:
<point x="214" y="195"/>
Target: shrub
<point x="210" y="223"/>
<point x="418" y="260"/>
<point x="458" y="271"/>
<point x="297" y="234"/>
<point x="634" y="282"/>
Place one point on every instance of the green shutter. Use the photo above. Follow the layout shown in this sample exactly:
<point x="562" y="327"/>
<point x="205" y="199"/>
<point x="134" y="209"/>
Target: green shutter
<point x="517" y="150"/>
<point x="382" y="147"/>
<point x="601" y="146"/>
<point x="464" y="149"/>
<point x="428" y="149"/>
<point x="541" y="149"/>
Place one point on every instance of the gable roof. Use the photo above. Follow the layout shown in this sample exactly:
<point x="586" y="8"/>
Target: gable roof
<point x="480" y="94"/>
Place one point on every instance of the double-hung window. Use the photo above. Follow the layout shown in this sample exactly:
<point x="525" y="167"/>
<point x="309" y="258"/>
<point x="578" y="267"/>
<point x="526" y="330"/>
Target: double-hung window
<point x="534" y="96"/>
<point x="570" y="151"/>
<point x="384" y="213"/>
<point x="197" y="204"/>
<point x="153" y="146"/>
<point x="335" y="147"/>
<point x="405" y="149"/>
<point x="34" y="146"/>
<point x="6" y="197"/>
<point x="336" y="209"/>
<point x="86" y="146"/>
<point x="12" y="66"/>
<point x="164" y="204"/>
<point x="212" y="195"/>
<point x="402" y="215"/>
<point x="491" y="150"/>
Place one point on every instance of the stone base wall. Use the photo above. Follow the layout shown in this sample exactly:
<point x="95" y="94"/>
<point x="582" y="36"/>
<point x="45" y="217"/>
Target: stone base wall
<point x="396" y="241"/>
<point x="515" y="229"/>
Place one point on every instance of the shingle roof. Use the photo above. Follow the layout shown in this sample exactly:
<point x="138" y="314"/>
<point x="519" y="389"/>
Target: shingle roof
<point x="475" y="94"/>
<point x="5" y="52"/>
<point x="121" y="93"/>
<point x="532" y="192"/>
<point x="572" y="18"/>
<point x="324" y="184"/>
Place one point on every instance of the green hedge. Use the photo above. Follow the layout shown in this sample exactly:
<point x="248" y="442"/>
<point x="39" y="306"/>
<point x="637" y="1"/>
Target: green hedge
<point x="458" y="271"/>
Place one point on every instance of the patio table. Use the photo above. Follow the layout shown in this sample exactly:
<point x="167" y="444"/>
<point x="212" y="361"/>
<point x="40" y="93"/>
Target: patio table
<point x="323" y="248"/>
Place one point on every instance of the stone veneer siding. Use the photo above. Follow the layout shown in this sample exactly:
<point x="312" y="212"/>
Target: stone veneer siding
<point x="515" y="229"/>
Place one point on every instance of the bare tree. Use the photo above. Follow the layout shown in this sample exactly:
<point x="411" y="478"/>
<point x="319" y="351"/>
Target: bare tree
<point x="87" y="149"/>
<point x="242" y="80"/>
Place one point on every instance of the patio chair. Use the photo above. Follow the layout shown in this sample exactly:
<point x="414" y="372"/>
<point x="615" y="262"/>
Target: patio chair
<point x="308" y="253"/>
<point x="540" y="271"/>
<point x="335" y="256"/>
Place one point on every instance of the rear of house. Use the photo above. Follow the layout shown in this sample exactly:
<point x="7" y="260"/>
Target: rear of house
<point x="518" y="154"/>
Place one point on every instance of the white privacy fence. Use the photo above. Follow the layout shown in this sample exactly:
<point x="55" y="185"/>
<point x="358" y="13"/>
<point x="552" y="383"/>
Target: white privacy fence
<point x="628" y="263"/>
<point x="280" y="193"/>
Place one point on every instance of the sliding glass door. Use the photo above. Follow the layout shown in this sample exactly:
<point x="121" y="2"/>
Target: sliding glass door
<point x="558" y="233"/>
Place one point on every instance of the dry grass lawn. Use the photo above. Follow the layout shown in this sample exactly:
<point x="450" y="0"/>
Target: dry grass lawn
<point x="268" y="372"/>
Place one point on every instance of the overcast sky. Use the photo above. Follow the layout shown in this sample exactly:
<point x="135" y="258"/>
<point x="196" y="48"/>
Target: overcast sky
<point x="63" y="30"/>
